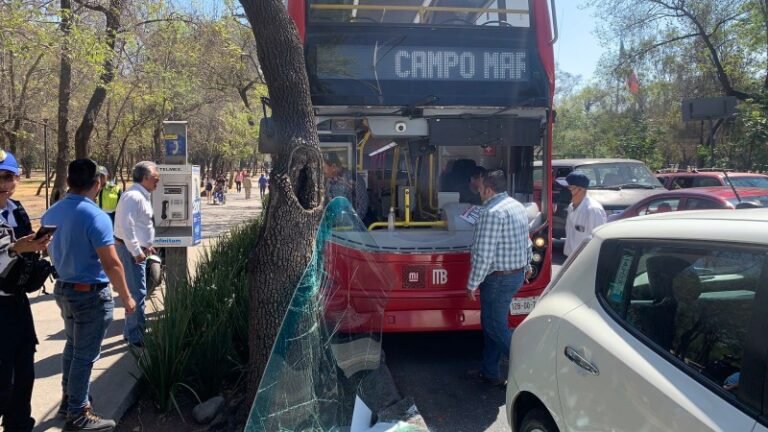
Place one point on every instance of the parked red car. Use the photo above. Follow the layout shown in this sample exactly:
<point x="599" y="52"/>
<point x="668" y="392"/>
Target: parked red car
<point x="689" y="179"/>
<point x="700" y="198"/>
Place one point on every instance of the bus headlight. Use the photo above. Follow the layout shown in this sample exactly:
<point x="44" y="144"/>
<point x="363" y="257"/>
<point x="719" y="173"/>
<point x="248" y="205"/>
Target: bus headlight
<point x="539" y="242"/>
<point x="537" y="258"/>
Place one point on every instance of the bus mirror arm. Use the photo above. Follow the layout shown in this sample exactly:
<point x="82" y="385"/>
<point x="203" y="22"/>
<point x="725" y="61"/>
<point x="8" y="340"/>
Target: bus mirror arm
<point x="554" y="23"/>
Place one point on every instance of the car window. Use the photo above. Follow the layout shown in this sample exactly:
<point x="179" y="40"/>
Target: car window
<point x="682" y="183"/>
<point x="562" y="172"/>
<point x="761" y="182"/>
<point x="660" y="206"/>
<point x="705" y="181"/>
<point x="701" y="204"/>
<point x="694" y="302"/>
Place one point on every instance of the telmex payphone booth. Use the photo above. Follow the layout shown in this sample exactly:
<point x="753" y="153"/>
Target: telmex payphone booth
<point x="176" y="204"/>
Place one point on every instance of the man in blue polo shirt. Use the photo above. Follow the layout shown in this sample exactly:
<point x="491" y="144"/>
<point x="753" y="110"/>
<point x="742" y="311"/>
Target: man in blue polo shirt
<point x="83" y="252"/>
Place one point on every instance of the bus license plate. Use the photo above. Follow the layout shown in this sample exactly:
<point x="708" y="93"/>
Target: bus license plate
<point x="522" y="306"/>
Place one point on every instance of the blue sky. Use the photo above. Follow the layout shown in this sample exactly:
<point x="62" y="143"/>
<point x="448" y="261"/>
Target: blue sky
<point x="578" y="50"/>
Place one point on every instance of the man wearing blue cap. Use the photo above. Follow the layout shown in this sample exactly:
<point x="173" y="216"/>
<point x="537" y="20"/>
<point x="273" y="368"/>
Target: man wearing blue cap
<point x="21" y="271"/>
<point x="584" y="214"/>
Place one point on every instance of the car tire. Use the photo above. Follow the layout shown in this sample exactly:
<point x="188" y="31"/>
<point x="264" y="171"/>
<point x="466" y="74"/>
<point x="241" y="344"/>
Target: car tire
<point x="538" y="420"/>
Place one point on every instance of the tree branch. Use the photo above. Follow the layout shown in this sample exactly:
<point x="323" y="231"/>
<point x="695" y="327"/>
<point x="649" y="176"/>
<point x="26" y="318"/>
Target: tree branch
<point x="93" y="7"/>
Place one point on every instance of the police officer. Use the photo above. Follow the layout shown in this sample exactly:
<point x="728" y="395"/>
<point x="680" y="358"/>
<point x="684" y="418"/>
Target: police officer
<point x="19" y="274"/>
<point x="109" y="193"/>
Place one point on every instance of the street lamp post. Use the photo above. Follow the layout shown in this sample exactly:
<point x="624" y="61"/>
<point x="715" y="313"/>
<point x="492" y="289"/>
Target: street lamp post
<point x="45" y="162"/>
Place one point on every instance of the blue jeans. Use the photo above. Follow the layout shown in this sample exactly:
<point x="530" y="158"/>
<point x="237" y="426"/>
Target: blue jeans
<point x="496" y="294"/>
<point x="87" y="316"/>
<point x="136" y="278"/>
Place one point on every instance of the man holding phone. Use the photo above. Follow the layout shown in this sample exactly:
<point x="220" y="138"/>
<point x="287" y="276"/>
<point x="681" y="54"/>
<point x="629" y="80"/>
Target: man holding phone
<point x="83" y="251"/>
<point x="19" y="274"/>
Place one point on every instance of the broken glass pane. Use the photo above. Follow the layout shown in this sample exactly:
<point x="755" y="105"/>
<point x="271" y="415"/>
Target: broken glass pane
<point x="326" y="365"/>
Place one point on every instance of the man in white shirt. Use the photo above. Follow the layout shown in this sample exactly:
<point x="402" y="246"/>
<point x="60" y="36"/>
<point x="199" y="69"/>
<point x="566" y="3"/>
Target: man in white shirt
<point x="134" y="234"/>
<point x="584" y="214"/>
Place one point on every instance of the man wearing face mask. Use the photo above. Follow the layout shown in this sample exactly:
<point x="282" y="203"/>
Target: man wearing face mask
<point x="20" y="273"/>
<point x="584" y="214"/>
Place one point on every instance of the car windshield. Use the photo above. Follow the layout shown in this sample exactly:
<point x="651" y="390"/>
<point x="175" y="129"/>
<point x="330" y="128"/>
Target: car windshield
<point x="757" y="201"/>
<point x="619" y="175"/>
<point x="760" y="182"/>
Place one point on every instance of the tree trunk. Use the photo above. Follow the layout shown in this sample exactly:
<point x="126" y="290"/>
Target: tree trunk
<point x="65" y="92"/>
<point x="290" y="222"/>
<point x="157" y="140"/>
<point x="84" y="131"/>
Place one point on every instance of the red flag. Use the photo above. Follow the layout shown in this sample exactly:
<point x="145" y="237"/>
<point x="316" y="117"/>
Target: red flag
<point x="633" y="84"/>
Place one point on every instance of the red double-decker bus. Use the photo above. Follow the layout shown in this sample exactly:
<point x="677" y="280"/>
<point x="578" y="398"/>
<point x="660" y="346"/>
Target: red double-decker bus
<point x="412" y="96"/>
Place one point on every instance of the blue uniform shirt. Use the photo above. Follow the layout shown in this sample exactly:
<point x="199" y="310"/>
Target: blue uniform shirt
<point x="82" y="227"/>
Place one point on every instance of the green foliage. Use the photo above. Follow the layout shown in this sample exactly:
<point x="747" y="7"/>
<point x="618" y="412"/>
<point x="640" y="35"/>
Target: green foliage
<point x="198" y="341"/>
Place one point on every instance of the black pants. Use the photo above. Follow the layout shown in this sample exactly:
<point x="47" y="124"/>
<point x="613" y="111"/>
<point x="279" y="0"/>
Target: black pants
<point x="239" y="185"/>
<point x="17" y="364"/>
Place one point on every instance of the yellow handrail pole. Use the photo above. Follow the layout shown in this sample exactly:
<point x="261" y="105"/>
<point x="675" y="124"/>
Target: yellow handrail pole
<point x="393" y="176"/>
<point x="432" y="181"/>
<point x="360" y="147"/>
<point x="407" y="206"/>
<point x="436" y="224"/>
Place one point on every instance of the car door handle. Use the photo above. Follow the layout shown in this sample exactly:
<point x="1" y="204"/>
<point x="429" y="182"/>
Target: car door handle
<point x="577" y="359"/>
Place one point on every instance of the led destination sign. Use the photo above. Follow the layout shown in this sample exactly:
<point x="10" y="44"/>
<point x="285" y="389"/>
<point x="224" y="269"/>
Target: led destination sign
<point x="417" y="63"/>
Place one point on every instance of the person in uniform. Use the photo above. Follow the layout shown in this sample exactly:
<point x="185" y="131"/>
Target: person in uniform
<point x="21" y="271"/>
<point x="109" y="194"/>
<point x="584" y="213"/>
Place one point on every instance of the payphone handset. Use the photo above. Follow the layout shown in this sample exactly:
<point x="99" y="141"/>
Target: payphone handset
<point x="174" y="203"/>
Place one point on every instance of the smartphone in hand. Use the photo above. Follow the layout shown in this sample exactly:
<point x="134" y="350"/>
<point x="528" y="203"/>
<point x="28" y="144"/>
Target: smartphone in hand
<point x="44" y="231"/>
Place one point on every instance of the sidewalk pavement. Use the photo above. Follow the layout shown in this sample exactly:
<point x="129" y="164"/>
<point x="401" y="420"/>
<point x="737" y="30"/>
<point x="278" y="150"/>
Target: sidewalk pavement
<point x="114" y="384"/>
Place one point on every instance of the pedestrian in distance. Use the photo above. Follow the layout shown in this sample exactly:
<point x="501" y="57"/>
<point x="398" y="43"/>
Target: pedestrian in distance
<point x="134" y="235"/>
<point x="209" y="188"/>
<point x="501" y="257"/>
<point x="83" y="252"/>
<point x="584" y="213"/>
<point x="109" y="194"/>
<point x="21" y="271"/>
<point x="239" y="180"/>
<point x="247" y="184"/>
<point x="263" y="182"/>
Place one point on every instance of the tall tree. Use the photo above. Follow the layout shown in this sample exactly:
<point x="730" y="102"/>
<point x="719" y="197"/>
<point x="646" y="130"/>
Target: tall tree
<point x="112" y="14"/>
<point x="65" y="93"/>
<point x="296" y="182"/>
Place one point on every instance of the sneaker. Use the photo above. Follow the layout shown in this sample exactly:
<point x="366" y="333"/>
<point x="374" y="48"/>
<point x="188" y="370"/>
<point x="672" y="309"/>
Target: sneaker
<point x="62" y="412"/>
<point x="88" y="421"/>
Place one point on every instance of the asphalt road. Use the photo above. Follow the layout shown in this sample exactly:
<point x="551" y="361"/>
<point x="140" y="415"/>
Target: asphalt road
<point x="432" y="368"/>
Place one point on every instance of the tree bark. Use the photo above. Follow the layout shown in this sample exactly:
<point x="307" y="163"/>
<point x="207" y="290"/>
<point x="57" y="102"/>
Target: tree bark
<point x="84" y="131"/>
<point x="290" y="221"/>
<point x="65" y="92"/>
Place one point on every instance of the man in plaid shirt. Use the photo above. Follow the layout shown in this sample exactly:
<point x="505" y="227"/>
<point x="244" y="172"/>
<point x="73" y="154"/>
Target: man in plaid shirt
<point x="501" y="257"/>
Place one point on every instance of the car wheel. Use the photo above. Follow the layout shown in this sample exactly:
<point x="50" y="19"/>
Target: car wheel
<point x="538" y="420"/>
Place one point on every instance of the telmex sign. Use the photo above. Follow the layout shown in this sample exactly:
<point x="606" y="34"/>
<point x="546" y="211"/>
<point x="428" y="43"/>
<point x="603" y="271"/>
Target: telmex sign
<point x="495" y="65"/>
<point x="420" y="63"/>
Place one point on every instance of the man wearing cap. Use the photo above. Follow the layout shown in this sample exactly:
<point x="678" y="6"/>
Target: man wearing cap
<point x="83" y="251"/>
<point x="584" y="213"/>
<point x="109" y="193"/>
<point x="18" y="255"/>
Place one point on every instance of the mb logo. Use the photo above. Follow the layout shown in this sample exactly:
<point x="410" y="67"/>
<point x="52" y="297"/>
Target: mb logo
<point x="439" y="277"/>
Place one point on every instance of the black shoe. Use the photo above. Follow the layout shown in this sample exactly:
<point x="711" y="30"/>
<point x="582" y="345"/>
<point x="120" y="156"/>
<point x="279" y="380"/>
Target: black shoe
<point x="88" y="421"/>
<point x="62" y="412"/>
<point x="495" y="382"/>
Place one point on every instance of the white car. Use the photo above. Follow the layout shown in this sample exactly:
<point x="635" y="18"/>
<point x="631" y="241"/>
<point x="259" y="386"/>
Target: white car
<point x="659" y="323"/>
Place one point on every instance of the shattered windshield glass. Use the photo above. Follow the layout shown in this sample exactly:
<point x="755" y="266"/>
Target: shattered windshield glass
<point x="326" y="371"/>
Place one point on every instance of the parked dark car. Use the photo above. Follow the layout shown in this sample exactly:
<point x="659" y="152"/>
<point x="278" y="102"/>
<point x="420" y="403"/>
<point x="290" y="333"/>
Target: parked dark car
<point x="701" y="178"/>
<point x="615" y="183"/>
<point x="720" y="197"/>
